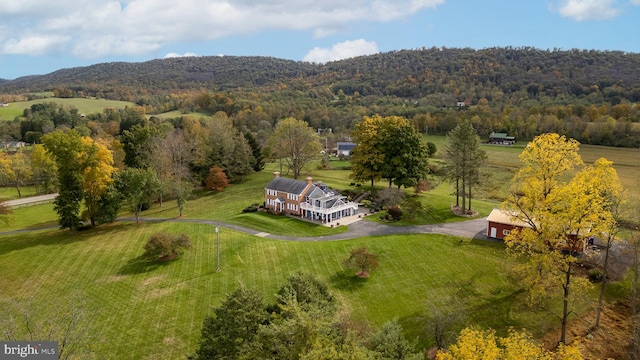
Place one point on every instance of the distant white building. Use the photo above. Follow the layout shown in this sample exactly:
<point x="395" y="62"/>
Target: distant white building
<point x="12" y="144"/>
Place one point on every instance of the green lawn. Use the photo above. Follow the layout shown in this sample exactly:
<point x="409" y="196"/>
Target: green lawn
<point x="10" y="193"/>
<point x="178" y="113"/>
<point x="503" y="162"/>
<point x="139" y="311"/>
<point x="84" y="106"/>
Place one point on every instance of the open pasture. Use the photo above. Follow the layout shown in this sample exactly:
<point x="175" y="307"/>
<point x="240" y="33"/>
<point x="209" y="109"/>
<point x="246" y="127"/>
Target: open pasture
<point x="84" y="106"/>
<point x="503" y="162"/>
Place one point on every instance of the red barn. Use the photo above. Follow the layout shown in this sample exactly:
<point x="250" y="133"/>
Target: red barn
<point x="501" y="222"/>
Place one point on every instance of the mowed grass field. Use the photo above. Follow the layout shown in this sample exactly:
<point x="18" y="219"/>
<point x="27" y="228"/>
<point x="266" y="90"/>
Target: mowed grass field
<point x="84" y="106"/>
<point x="503" y="163"/>
<point x="141" y="311"/>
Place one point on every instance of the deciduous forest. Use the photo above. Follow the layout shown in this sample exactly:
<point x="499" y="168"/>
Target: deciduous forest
<point x="585" y="94"/>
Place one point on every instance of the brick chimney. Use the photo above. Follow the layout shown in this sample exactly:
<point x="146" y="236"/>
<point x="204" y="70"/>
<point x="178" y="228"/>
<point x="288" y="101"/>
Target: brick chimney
<point x="276" y="174"/>
<point x="309" y="180"/>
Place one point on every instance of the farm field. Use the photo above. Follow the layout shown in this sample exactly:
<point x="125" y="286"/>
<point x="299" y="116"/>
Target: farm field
<point x="84" y="106"/>
<point x="503" y="163"/>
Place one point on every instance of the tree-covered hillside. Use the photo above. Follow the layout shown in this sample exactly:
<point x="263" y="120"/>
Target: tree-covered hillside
<point x="586" y="94"/>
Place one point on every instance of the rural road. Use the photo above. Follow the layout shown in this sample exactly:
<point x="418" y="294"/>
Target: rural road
<point x="30" y="200"/>
<point x="474" y="229"/>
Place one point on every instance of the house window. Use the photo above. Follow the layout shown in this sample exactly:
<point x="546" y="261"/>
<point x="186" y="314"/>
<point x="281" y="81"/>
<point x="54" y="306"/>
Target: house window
<point x="292" y="197"/>
<point x="272" y="192"/>
<point x="506" y="232"/>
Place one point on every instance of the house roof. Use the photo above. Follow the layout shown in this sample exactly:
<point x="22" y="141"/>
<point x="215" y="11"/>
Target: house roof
<point x="291" y="186"/>
<point x="505" y="136"/>
<point x="342" y="145"/>
<point x="316" y="193"/>
<point x="506" y="217"/>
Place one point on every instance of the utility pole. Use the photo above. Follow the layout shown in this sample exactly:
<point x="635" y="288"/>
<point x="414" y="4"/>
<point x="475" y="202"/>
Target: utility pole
<point x="218" y="248"/>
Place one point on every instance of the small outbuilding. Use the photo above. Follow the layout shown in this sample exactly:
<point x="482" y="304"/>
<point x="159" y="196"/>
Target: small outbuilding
<point x="501" y="222"/>
<point x="497" y="138"/>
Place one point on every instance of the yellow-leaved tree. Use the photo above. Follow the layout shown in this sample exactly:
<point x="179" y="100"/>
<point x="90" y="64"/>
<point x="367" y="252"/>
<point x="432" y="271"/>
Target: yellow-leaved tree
<point x="44" y="170"/>
<point x="15" y="170"/>
<point x="367" y="158"/>
<point x="473" y="344"/>
<point x="562" y="211"/>
<point x="97" y="164"/>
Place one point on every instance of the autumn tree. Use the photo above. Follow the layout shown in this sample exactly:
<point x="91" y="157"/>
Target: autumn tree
<point x="561" y="212"/>
<point x="388" y="148"/>
<point x="96" y="162"/>
<point x="295" y="142"/>
<point x="173" y="155"/>
<point x="44" y="170"/>
<point x="84" y="167"/>
<point x="484" y="344"/>
<point x="612" y="197"/>
<point x="217" y="179"/>
<point x="15" y="170"/>
<point x="137" y="187"/>
<point x="362" y="260"/>
<point x="367" y="157"/>
<point x="464" y="158"/>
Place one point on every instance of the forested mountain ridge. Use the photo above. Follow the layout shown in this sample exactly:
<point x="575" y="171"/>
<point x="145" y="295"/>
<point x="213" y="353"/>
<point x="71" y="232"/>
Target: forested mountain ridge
<point x="590" y="95"/>
<point x="216" y="73"/>
<point x="464" y="73"/>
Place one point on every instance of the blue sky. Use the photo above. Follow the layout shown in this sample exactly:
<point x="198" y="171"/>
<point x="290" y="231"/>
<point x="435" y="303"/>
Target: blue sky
<point x="39" y="37"/>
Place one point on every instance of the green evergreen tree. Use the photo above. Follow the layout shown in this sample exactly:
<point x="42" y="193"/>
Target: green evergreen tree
<point x="228" y="334"/>
<point x="256" y="150"/>
<point x="464" y="160"/>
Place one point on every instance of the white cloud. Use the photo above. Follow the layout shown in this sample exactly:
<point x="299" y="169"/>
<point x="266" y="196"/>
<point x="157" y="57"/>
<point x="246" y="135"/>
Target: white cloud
<point x="33" y="44"/>
<point x="94" y="28"/>
<point x="175" y="55"/>
<point x="581" y="10"/>
<point x="343" y="50"/>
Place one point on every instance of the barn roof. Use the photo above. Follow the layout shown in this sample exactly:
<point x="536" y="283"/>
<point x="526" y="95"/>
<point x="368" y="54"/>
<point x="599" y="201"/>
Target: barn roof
<point x="502" y="216"/>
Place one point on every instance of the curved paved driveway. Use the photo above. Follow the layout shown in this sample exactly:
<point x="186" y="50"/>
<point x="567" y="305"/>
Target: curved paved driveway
<point x="474" y="229"/>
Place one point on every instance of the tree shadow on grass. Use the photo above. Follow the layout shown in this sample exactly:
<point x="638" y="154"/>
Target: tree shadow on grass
<point x="140" y="265"/>
<point x="346" y="281"/>
<point x="23" y="239"/>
